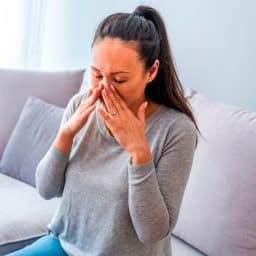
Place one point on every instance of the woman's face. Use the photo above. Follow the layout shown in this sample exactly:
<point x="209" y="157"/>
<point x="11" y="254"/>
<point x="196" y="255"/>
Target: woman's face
<point x="117" y="62"/>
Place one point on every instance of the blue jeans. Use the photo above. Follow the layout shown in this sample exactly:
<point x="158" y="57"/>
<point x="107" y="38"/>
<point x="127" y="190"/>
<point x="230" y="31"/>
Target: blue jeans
<point x="47" y="245"/>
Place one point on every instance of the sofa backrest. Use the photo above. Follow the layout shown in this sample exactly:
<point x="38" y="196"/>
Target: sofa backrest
<point x="17" y="85"/>
<point x="218" y="211"/>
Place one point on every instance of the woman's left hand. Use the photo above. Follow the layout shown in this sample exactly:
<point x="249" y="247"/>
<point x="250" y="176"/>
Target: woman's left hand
<point x="128" y="129"/>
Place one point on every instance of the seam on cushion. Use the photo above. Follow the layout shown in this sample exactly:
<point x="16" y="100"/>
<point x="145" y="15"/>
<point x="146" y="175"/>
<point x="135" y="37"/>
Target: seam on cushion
<point x="188" y="244"/>
<point x="23" y="239"/>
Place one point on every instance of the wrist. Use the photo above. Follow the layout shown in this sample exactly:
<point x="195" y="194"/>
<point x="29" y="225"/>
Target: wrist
<point x="66" y="132"/>
<point x="141" y="156"/>
<point x="63" y="142"/>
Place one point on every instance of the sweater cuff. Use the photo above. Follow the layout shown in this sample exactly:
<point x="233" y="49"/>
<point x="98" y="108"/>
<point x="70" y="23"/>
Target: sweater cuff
<point x="57" y="154"/>
<point x="140" y="173"/>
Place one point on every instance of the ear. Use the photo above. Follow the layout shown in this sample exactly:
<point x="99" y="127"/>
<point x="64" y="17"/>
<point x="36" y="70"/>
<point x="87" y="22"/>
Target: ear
<point x="152" y="72"/>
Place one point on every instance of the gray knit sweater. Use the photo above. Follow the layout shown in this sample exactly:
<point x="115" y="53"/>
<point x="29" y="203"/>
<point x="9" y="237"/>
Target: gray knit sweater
<point x="108" y="207"/>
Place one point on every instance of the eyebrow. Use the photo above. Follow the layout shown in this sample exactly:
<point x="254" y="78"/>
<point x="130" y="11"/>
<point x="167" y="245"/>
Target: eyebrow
<point x="116" y="72"/>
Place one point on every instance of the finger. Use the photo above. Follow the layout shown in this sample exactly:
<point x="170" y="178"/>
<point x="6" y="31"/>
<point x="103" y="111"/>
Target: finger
<point x="94" y="96"/>
<point x="86" y="96"/>
<point x="105" y="115"/>
<point x="83" y="106"/>
<point x="89" y="93"/>
<point x="113" y="98"/>
<point x="108" y="102"/>
<point x="141" y="113"/>
<point x="97" y="92"/>
<point x="87" y="111"/>
<point x="119" y="97"/>
<point x="90" y="108"/>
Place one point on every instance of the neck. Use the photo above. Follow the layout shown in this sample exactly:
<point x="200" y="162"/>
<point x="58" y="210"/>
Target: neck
<point x="151" y="107"/>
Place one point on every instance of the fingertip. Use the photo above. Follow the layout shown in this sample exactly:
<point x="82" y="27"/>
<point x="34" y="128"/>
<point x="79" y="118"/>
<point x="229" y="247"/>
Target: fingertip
<point x="104" y="114"/>
<point x="112" y="87"/>
<point x="100" y="110"/>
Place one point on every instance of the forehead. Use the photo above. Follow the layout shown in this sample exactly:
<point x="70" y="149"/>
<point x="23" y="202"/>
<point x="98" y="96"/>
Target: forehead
<point x="110" y="54"/>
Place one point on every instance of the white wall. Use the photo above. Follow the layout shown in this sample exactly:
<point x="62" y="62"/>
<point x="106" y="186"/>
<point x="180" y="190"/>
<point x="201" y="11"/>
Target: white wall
<point x="11" y="33"/>
<point x="213" y="42"/>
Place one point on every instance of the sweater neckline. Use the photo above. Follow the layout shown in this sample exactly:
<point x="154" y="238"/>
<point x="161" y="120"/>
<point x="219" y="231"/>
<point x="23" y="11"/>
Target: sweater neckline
<point x="103" y="129"/>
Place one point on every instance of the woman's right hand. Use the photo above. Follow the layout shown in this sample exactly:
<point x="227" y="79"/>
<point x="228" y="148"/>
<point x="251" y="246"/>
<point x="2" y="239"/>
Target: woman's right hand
<point x="79" y="118"/>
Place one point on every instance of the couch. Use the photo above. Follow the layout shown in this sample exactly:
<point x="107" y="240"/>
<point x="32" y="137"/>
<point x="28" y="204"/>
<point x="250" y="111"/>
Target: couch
<point x="217" y="216"/>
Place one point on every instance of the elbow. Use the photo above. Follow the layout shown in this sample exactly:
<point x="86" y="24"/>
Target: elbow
<point x="47" y="194"/>
<point x="46" y="189"/>
<point x="44" y="195"/>
<point x="157" y="232"/>
<point x="153" y="237"/>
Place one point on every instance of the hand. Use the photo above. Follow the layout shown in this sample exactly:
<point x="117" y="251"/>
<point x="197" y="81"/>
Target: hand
<point x="127" y="128"/>
<point x="79" y="118"/>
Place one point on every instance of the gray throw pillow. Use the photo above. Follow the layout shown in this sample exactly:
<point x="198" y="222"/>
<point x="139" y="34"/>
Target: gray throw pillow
<point x="32" y="136"/>
<point x="55" y="87"/>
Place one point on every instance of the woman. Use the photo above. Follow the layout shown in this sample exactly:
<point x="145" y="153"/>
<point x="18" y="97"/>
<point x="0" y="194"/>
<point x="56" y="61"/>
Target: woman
<point x="124" y="150"/>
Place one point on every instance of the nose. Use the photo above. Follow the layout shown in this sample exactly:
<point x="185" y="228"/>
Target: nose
<point x="104" y="81"/>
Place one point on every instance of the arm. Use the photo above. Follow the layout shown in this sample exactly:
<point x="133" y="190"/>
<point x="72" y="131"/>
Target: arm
<point x="156" y="191"/>
<point x="50" y="171"/>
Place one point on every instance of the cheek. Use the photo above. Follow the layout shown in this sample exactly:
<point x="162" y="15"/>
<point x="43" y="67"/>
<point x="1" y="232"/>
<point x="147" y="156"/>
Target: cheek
<point x="123" y="91"/>
<point x="94" y="83"/>
<point x="127" y="92"/>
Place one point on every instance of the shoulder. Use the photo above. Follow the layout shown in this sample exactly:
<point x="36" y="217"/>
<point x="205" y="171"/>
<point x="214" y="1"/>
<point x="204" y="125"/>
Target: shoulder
<point x="75" y="101"/>
<point x="172" y="118"/>
<point x="177" y="125"/>
<point x="72" y="105"/>
<point x="77" y="98"/>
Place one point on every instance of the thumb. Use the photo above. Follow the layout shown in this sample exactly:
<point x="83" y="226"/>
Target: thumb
<point x="141" y="114"/>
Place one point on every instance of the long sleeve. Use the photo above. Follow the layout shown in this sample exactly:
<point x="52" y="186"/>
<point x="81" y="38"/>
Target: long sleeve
<point x="156" y="189"/>
<point x="50" y="171"/>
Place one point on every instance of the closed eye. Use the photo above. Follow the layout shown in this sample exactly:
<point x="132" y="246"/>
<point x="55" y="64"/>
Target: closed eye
<point x="98" y="77"/>
<point x="119" y="81"/>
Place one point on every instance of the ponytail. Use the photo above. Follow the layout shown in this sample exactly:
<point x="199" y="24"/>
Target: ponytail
<point x="166" y="88"/>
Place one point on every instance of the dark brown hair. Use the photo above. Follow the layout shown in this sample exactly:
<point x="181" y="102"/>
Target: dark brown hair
<point x="146" y="26"/>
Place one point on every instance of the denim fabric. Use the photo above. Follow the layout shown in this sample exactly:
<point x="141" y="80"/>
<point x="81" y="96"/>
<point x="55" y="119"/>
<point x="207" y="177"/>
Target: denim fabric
<point x="44" y="246"/>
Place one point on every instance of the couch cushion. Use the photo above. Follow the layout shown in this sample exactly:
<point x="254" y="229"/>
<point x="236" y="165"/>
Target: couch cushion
<point x="181" y="248"/>
<point x="24" y="213"/>
<point x="32" y="136"/>
<point x="17" y="85"/>
<point x="86" y="81"/>
<point x="218" y="209"/>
